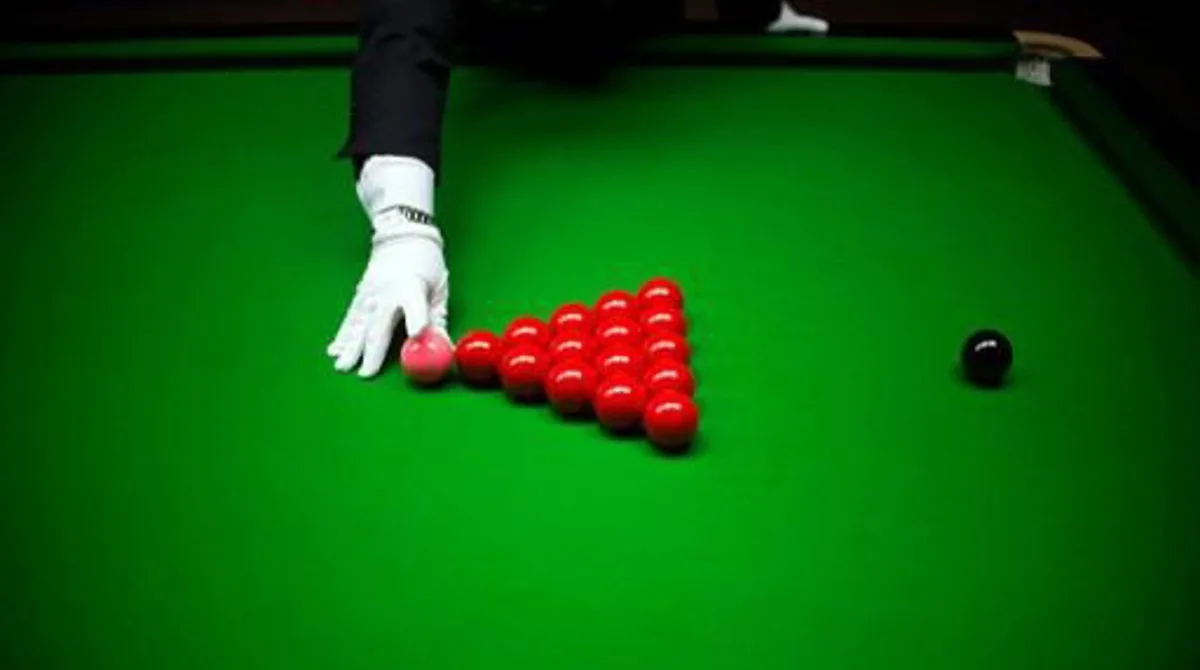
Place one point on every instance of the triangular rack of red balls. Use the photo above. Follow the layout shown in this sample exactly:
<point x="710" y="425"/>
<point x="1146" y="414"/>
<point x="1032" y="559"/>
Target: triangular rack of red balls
<point x="624" y="359"/>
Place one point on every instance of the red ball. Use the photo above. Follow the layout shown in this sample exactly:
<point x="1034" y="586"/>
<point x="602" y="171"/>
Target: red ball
<point x="660" y="291"/>
<point x="664" y="320"/>
<point x="523" y="370"/>
<point x="671" y="420"/>
<point x="618" y="330"/>
<point x="427" y="357"/>
<point x="620" y="402"/>
<point x="527" y="330"/>
<point x="620" y="359"/>
<point x="570" y="386"/>
<point x="616" y="303"/>
<point x="478" y="357"/>
<point x="658" y="346"/>
<point x="572" y="345"/>
<point x="671" y="375"/>
<point x="572" y="317"/>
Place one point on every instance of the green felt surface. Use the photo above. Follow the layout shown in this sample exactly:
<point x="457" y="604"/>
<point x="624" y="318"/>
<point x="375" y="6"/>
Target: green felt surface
<point x="186" y="483"/>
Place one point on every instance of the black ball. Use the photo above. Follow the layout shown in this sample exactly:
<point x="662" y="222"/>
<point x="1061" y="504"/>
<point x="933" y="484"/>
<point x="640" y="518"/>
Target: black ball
<point x="987" y="357"/>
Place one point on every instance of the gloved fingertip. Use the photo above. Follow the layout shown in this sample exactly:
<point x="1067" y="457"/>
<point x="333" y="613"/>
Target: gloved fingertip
<point x="369" y="371"/>
<point x="415" y="306"/>
<point x="415" y="326"/>
<point x="346" y="360"/>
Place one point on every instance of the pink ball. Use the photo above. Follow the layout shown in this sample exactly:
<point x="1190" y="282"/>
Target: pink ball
<point x="427" y="358"/>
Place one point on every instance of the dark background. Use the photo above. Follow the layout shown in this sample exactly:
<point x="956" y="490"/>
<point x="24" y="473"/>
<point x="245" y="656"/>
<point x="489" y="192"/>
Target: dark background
<point x="1146" y="38"/>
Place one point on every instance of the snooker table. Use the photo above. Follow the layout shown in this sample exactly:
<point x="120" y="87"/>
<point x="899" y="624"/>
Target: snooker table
<point x="186" y="483"/>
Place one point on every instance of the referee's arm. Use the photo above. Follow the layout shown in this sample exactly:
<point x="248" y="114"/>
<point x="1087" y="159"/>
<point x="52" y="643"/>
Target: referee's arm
<point x="399" y="82"/>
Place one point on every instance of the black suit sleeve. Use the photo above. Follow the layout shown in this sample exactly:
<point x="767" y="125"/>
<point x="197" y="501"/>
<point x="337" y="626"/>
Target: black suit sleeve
<point x="402" y="70"/>
<point x="400" y="78"/>
<point x="747" y="15"/>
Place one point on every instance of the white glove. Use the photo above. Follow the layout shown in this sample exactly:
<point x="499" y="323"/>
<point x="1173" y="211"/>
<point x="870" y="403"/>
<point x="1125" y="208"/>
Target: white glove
<point x="791" y="21"/>
<point x="406" y="274"/>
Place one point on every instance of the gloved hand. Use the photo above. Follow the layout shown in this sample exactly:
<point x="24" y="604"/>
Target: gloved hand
<point x="406" y="276"/>
<point x="791" y="21"/>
